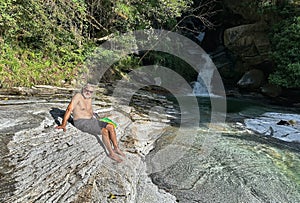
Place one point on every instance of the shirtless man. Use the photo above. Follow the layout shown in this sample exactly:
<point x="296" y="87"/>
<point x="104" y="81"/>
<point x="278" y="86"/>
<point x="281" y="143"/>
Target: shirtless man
<point x="81" y="106"/>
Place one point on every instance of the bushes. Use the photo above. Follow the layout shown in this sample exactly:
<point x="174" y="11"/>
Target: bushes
<point x="41" y="42"/>
<point x="19" y="67"/>
<point x="285" y="40"/>
<point x="44" y="42"/>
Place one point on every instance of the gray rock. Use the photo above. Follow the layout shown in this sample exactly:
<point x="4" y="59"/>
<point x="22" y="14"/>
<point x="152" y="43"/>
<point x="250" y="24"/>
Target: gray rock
<point x="238" y="166"/>
<point x="250" y="41"/>
<point x="42" y="164"/>
<point x="268" y="124"/>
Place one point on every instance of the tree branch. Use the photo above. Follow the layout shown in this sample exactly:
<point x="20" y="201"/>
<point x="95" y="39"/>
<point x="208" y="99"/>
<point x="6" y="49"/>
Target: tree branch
<point x="97" y="25"/>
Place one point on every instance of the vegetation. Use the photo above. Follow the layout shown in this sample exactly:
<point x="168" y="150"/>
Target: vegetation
<point x="47" y="42"/>
<point x="283" y="15"/>
<point x="285" y="39"/>
<point x="41" y="42"/>
<point x="286" y="53"/>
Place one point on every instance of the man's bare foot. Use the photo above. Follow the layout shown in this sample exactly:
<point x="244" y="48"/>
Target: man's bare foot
<point x="118" y="151"/>
<point x="115" y="157"/>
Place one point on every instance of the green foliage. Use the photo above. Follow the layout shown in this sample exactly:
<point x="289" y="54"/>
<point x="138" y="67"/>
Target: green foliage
<point x="41" y="42"/>
<point x="116" y="61"/>
<point x="19" y="67"/>
<point x="45" y="42"/>
<point x="285" y="40"/>
<point x="128" y="15"/>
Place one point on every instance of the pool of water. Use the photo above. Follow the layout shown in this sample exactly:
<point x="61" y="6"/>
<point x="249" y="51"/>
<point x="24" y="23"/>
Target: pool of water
<point x="224" y="162"/>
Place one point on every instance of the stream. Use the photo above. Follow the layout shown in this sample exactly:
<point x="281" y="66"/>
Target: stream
<point x="209" y="162"/>
<point x="227" y="162"/>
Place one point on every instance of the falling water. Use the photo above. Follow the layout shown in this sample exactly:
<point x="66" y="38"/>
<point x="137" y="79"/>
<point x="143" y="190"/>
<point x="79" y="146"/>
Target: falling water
<point x="203" y="86"/>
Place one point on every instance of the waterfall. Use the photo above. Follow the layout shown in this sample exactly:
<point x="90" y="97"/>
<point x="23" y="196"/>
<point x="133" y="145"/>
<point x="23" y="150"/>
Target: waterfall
<point x="203" y="86"/>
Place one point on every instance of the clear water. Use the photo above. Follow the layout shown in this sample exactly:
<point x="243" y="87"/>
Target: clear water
<point x="224" y="162"/>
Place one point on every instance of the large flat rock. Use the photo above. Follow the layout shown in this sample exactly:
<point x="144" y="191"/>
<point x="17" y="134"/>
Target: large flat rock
<point x="42" y="164"/>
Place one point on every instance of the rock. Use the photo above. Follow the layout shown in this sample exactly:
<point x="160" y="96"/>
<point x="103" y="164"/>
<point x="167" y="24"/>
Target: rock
<point x="142" y="77"/>
<point x="41" y="164"/>
<point x="271" y="90"/>
<point x="142" y="136"/>
<point x="289" y="122"/>
<point x="296" y="105"/>
<point x="250" y="42"/>
<point x="233" y="167"/>
<point x="251" y="79"/>
<point x="269" y="124"/>
<point x="233" y="93"/>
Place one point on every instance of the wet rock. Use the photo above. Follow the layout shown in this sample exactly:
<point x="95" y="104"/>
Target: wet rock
<point x="236" y="166"/>
<point x="269" y="124"/>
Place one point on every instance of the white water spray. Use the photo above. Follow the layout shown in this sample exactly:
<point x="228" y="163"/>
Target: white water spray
<point x="203" y="86"/>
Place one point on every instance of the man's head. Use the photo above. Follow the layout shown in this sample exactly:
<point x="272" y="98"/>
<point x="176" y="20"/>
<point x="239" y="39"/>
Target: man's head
<point x="87" y="91"/>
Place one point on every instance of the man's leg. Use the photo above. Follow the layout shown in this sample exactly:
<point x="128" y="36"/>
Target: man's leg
<point x="113" y="138"/>
<point x="106" y="140"/>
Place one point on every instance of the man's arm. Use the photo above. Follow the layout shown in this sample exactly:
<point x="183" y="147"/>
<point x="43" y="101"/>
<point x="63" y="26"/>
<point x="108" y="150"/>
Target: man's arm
<point x="67" y="114"/>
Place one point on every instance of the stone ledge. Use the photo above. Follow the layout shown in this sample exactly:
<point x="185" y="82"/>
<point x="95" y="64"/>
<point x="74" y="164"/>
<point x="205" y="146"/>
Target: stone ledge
<point x="47" y="165"/>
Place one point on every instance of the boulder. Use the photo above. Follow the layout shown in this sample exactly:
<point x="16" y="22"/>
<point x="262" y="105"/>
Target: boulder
<point x="251" y="79"/>
<point x="269" y="124"/>
<point x="250" y="42"/>
<point x="271" y="90"/>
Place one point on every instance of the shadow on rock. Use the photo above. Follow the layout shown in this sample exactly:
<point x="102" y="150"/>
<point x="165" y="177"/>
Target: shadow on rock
<point x="57" y="113"/>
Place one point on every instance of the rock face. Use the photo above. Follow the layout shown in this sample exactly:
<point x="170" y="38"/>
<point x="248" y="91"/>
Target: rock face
<point x="246" y="37"/>
<point x="42" y="164"/>
<point x="249" y="41"/>
<point x="243" y="10"/>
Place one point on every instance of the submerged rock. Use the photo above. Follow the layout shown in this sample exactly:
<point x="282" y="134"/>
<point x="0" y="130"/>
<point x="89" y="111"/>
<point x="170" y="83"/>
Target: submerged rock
<point x="234" y="166"/>
<point x="271" y="90"/>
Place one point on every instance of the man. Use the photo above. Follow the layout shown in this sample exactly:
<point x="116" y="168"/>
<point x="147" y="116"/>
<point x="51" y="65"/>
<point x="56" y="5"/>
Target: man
<point x="81" y="106"/>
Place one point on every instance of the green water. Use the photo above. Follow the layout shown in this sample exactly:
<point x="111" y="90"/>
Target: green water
<point x="225" y="162"/>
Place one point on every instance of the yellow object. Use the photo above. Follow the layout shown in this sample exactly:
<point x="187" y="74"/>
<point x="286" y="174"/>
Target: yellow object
<point x="107" y="120"/>
<point x="112" y="196"/>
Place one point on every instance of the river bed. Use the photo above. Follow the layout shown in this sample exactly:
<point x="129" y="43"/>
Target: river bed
<point x="227" y="162"/>
<point x="211" y="162"/>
